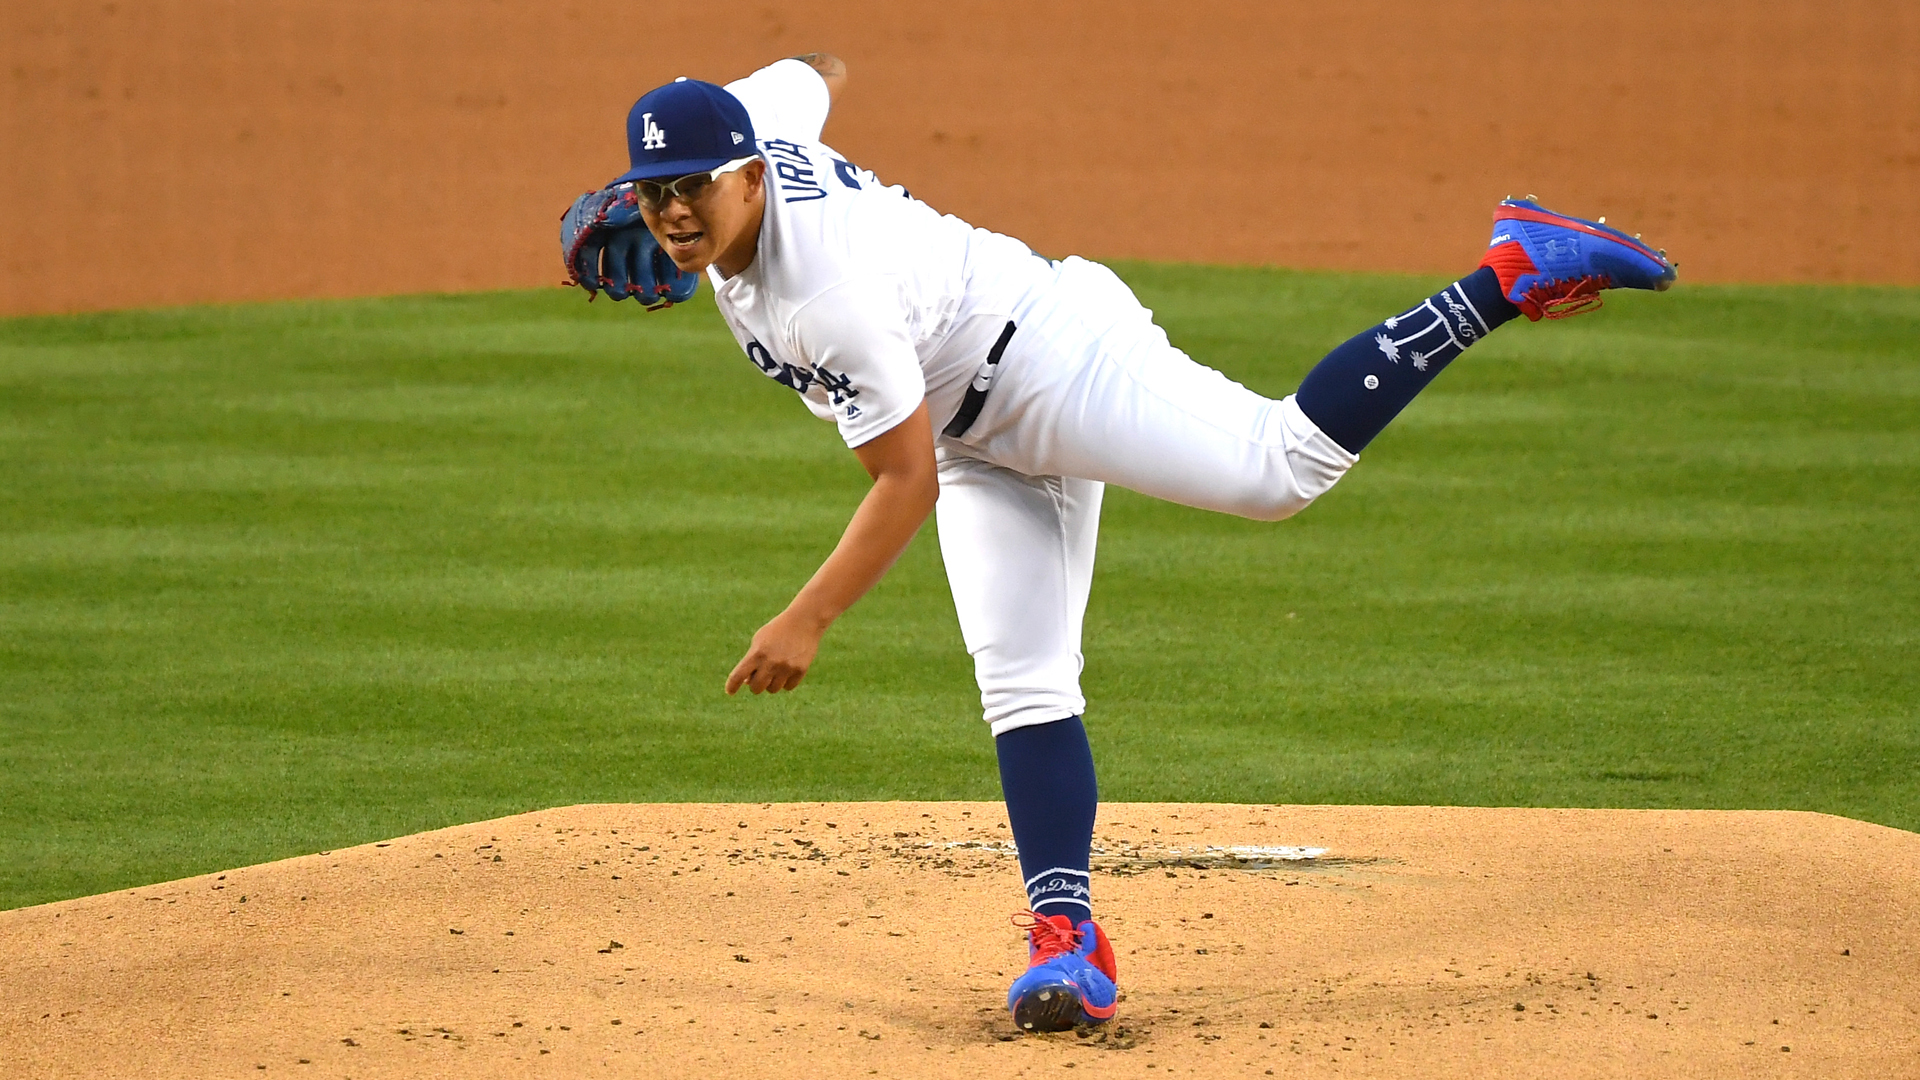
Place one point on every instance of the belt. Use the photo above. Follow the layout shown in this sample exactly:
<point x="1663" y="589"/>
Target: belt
<point x="976" y="398"/>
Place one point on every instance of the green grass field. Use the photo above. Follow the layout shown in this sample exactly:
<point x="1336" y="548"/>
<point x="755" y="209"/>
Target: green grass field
<point x="286" y="577"/>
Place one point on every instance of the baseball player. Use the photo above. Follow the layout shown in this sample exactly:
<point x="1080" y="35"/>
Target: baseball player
<point x="1001" y="391"/>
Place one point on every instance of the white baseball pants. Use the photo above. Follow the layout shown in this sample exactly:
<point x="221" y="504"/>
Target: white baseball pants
<point x="1091" y="392"/>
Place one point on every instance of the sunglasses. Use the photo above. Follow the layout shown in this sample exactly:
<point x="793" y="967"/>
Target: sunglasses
<point x="653" y="194"/>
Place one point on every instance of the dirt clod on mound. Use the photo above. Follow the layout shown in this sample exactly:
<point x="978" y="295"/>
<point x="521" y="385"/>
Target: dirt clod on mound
<point x="872" y="939"/>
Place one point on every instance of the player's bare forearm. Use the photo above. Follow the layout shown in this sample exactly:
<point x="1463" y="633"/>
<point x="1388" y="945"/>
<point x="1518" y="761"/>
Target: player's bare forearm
<point x="832" y="69"/>
<point x="905" y="488"/>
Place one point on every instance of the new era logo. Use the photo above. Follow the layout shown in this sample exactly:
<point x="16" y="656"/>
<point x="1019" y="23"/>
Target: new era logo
<point x="653" y="136"/>
<point x="738" y="138"/>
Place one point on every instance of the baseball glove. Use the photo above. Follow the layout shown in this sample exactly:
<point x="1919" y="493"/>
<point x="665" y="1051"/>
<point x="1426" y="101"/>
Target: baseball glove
<point x="607" y="246"/>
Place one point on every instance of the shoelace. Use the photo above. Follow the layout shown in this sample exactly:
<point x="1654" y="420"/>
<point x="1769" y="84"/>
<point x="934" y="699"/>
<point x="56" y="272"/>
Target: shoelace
<point x="1567" y="297"/>
<point x="1048" y="940"/>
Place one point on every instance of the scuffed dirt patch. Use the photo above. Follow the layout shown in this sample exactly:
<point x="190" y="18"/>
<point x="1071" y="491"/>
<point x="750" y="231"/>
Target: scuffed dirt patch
<point x="872" y="939"/>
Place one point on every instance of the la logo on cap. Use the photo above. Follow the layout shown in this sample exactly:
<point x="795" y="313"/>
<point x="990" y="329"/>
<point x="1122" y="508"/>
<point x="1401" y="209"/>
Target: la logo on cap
<point x="709" y="128"/>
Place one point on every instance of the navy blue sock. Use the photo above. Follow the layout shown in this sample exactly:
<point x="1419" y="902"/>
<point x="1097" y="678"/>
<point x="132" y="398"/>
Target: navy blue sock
<point x="1046" y="774"/>
<point x="1363" y="384"/>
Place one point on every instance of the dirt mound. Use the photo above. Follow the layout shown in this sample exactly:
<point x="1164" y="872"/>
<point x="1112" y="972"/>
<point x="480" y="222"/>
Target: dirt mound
<point x="187" y="150"/>
<point x="872" y="939"/>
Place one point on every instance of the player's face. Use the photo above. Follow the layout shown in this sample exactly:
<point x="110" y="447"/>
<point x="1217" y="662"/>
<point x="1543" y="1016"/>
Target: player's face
<point x="719" y="225"/>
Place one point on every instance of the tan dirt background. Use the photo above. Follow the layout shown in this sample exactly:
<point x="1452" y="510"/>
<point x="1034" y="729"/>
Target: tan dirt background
<point x="870" y="939"/>
<point x="176" y="151"/>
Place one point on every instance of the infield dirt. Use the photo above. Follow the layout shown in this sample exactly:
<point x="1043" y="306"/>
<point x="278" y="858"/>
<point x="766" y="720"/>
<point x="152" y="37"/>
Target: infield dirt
<point x="186" y="150"/>
<point x="847" y="940"/>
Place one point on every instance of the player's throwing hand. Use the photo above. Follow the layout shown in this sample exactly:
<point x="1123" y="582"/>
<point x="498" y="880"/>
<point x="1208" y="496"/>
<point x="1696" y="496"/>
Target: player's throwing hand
<point x="780" y="655"/>
<point x="904" y="490"/>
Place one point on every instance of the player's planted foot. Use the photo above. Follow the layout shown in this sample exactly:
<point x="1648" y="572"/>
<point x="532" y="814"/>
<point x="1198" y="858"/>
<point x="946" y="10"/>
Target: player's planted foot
<point x="1552" y="266"/>
<point x="1069" y="978"/>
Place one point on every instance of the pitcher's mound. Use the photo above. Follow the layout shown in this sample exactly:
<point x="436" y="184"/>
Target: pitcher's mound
<point x="847" y="940"/>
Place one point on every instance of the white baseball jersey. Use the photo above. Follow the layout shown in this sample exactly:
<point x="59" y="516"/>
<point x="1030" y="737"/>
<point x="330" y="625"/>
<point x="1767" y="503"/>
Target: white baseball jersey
<point x="861" y="298"/>
<point x="867" y="301"/>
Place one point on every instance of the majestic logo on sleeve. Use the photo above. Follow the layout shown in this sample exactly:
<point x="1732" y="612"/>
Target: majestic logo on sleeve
<point x="653" y="137"/>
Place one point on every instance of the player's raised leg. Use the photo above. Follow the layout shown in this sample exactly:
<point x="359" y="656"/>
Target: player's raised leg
<point x="1019" y="553"/>
<point x="1359" y="387"/>
<point x="1093" y="388"/>
<point x="1539" y="263"/>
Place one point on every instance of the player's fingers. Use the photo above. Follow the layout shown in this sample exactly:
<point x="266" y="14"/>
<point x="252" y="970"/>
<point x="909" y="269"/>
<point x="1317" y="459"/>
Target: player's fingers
<point x="585" y="266"/>
<point x="618" y="277"/>
<point x="753" y="673"/>
<point x="767" y="680"/>
<point x="679" y="286"/>
<point x="587" y="280"/>
<point x="639" y="259"/>
<point x="741" y="672"/>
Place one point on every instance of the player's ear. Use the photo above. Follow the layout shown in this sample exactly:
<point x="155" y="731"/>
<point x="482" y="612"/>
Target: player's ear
<point x="755" y="174"/>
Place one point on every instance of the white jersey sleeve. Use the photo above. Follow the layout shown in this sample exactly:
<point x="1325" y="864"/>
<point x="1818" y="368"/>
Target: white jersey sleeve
<point x="855" y="338"/>
<point x="785" y="100"/>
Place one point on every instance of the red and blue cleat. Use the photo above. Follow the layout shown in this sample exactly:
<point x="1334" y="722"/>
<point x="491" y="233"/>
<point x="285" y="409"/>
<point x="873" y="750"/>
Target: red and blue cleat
<point x="1551" y="266"/>
<point x="1069" y="978"/>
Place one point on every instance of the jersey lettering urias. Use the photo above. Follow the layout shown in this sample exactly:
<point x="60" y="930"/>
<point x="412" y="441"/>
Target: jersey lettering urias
<point x="862" y="299"/>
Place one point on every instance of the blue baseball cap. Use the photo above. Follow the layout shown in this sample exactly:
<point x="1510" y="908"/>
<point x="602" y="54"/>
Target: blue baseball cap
<point x="686" y="126"/>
